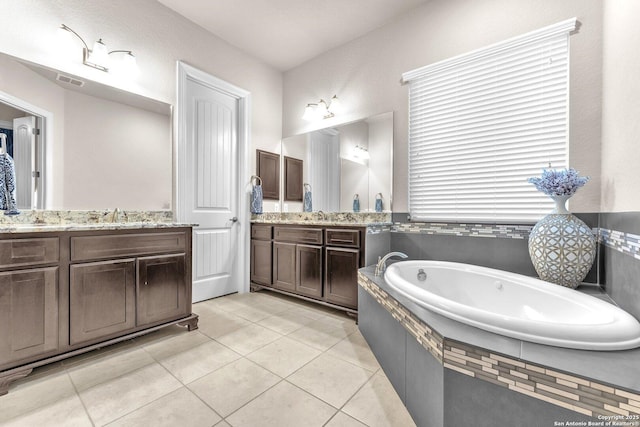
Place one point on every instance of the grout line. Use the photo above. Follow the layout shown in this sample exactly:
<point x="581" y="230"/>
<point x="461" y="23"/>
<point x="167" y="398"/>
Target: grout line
<point x="75" y="388"/>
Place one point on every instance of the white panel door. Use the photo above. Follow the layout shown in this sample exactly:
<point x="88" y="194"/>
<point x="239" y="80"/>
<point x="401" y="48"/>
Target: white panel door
<point x="211" y="190"/>
<point x="24" y="143"/>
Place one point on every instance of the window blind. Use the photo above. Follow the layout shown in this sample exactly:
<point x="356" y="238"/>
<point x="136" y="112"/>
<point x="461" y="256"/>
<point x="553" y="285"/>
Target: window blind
<point x="480" y="124"/>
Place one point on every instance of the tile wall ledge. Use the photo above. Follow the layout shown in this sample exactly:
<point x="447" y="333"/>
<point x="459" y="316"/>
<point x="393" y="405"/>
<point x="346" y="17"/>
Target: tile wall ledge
<point x="327" y="218"/>
<point x="626" y="243"/>
<point x="589" y="382"/>
<point x="84" y="217"/>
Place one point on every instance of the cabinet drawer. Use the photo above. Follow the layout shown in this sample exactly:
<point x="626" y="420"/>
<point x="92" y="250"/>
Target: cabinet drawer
<point x="343" y="237"/>
<point x="298" y="235"/>
<point x="261" y="232"/>
<point x="117" y="245"/>
<point x="20" y="252"/>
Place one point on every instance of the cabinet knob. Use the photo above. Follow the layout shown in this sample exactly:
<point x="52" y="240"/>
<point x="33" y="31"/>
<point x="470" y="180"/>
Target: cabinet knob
<point x="146" y="283"/>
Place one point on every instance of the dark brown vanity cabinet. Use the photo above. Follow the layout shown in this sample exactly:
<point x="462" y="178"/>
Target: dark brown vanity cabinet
<point x="309" y="270"/>
<point x="29" y="298"/>
<point x="341" y="275"/>
<point x="297" y="260"/>
<point x="261" y="255"/>
<point x="140" y="289"/>
<point x="28" y="314"/>
<point x="310" y="261"/>
<point x="344" y="257"/>
<point x="102" y="299"/>
<point x="66" y="292"/>
<point x="161" y="288"/>
<point x="110" y="297"/>
<point x="284" y="266"/>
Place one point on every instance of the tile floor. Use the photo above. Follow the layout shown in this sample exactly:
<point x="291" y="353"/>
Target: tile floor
<point x="258" y="360"/>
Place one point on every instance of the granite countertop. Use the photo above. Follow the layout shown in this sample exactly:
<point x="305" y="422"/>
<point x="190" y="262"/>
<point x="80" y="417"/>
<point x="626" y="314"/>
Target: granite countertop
<point x="356" y="219"/>
<point x="35" y="221"/>
<point x="37" y="228"/>
<point x="619" y="368"/>
<point x="321" y="223"/>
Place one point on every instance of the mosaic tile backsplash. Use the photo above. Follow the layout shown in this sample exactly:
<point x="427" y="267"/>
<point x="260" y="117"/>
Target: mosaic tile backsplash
<point x="627" y="243"/>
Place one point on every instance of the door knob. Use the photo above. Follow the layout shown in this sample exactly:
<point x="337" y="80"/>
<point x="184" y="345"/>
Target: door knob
<point x="234" y="219"/>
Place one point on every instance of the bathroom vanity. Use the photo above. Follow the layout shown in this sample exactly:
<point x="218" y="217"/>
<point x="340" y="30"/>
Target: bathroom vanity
<point x="66" y="290"/>
<point x="312" y="259"/>
<point x="315" y="262"/>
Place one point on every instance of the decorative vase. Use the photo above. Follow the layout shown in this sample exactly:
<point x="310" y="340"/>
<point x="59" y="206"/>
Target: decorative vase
<point x="562" y="247"/>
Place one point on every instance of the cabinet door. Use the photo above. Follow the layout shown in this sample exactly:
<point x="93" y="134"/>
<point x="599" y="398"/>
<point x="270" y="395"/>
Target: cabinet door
<point x="309" y="270"/>
<point x="102" y="299"/>
<point x="162" y="290"/>
<point x="28" y="313"/>
<point x="284" y="266"/>
<point x="341" y="283"/>
<point x="261" y="262"/>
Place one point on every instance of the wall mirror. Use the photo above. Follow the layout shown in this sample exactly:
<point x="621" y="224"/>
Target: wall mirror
<point x="345" y="160"/>
<point x="79" y="144"/>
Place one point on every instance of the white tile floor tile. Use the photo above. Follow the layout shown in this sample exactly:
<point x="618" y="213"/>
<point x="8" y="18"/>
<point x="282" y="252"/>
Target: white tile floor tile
<point x="331" y="379"/>
<point x="284" y="405"/>
<point x="257" y="359"/>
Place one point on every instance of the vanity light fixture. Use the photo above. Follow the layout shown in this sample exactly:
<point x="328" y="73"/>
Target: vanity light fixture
<point x="322" y="110"/>
<point x="99" y="58"/>
<point x="360" y="152"/>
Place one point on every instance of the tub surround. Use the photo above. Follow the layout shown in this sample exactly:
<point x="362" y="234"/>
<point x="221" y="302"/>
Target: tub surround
<point x="587" y="383"/>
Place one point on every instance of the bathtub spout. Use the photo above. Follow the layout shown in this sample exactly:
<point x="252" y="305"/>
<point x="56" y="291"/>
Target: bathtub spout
<point x="381" y="266"/>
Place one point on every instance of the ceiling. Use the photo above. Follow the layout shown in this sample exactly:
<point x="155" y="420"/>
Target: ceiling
<point x="286" y="33"/>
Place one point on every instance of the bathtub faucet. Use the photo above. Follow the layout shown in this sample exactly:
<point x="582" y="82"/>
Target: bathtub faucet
<point x="381" y="266"/>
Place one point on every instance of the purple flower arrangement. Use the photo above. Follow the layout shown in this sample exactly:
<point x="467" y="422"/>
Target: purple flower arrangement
<point x="559" y="182"/>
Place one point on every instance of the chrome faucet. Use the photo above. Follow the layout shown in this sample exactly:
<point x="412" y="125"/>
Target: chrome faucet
<point x="381" y="266"/>
<point x="115" y="216"/>
<point x="321" y="215"/>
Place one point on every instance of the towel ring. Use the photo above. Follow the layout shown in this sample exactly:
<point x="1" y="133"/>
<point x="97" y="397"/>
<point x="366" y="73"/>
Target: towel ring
<point x="256" y="177"/>
<point x="305" y="185"/>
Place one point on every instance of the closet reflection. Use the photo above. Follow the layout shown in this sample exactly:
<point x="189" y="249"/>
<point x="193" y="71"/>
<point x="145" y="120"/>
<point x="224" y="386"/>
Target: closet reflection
<point x="345" y="161"/>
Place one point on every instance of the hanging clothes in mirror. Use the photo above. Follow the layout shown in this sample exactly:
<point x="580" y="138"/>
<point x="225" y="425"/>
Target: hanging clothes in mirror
<point x="7" y="180"/>
<point x="256" y="195"/>
<point x="307" y="201"/>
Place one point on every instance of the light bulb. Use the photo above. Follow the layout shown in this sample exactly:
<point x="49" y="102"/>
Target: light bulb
<point x="323" y="111"/>
<point x="126" y="65"/>
<point x="99" y="54"/>
<point x="309" y="112"/>
<point x="336" y="105"/>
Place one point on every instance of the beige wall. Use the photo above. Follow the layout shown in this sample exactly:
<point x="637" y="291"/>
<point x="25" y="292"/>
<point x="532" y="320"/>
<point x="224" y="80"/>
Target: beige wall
<point x="117" y="155"/>
<point x="621" y="107"/>
<point x="365" y="73"/>
<point x="159" y="37"/>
